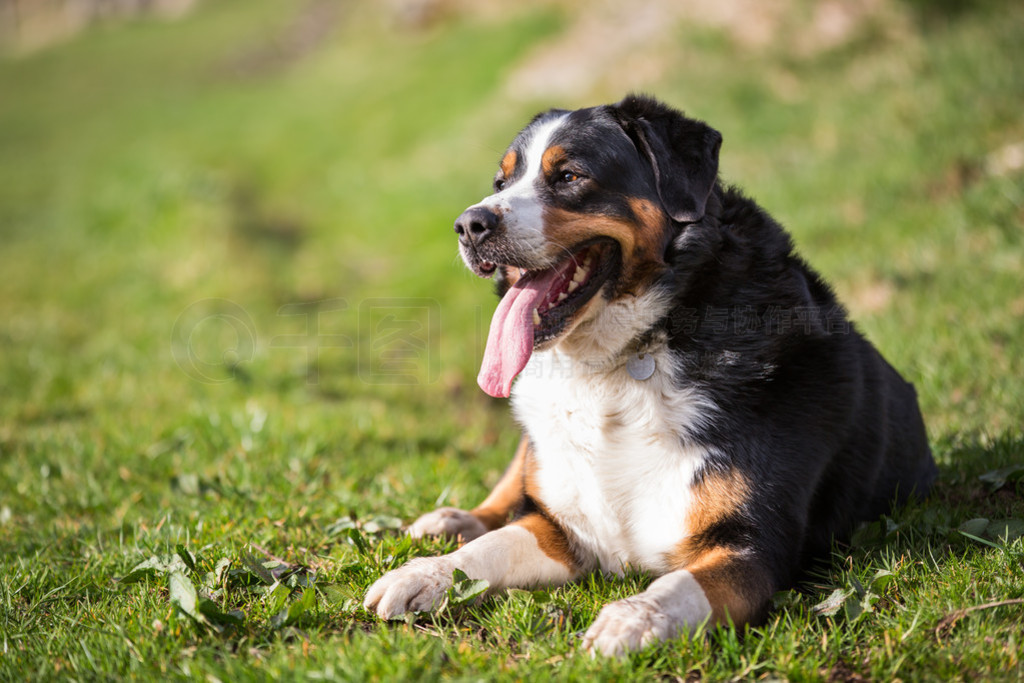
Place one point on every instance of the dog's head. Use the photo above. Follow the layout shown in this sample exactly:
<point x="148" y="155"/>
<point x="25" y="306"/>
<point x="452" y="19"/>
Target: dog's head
<point x="585" y="202"/>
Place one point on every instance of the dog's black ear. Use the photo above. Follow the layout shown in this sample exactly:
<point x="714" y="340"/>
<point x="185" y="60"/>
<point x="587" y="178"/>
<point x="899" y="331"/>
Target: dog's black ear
<point x="683" y="153"/>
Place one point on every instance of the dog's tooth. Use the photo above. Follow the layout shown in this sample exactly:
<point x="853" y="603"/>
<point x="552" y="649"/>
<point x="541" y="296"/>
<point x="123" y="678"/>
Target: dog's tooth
<point x="536" y="317"/>
<point x="572" y="286"/>
<point x="580" y="275"/>
<point x="562" y="297"/>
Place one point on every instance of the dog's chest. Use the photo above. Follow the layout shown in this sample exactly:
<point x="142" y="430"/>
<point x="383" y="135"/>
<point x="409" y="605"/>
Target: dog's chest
<point x="612" y="461"/>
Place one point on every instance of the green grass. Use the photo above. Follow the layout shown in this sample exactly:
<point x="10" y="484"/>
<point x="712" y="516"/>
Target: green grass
<point x="202" y="235"/>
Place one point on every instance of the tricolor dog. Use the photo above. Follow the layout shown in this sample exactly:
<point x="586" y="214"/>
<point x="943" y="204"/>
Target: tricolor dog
<point x="694" y="402"/>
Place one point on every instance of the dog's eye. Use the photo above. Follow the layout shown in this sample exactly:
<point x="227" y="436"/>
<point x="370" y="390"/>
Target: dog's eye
<point x="569" y="177"/>
<point x="499" y="184"/>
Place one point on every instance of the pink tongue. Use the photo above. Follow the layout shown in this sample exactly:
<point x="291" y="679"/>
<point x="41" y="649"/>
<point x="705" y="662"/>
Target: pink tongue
<point x="510" y="341"/>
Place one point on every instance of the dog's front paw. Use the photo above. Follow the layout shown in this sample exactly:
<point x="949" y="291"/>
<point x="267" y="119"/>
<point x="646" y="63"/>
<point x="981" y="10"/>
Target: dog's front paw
<point x="627" y="625"/>
<point x="451" y="522"/>
<point x="417" y="586"/>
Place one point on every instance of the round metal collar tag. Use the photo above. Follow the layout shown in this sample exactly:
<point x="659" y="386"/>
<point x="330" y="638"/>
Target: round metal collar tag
<point x="640" y="366"/>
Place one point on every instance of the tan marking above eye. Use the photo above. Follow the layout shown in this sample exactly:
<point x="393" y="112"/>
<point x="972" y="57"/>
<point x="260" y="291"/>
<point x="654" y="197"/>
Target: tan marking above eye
<point x="508" y="163"/>
<point x="553" y="157"/>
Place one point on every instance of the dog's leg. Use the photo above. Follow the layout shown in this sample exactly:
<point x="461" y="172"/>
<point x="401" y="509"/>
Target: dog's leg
<point x="719" y="587"/>
<point x="531" y="551"/>
<point x="491" y="514"/>
<point x="725" y="569"/>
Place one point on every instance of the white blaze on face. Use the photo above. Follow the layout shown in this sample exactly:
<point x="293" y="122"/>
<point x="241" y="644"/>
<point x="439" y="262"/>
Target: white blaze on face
<point x="518" y="203"/>
<point x="511" y="337"/>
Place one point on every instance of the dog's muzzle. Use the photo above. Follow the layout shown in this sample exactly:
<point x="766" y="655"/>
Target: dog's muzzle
<point x="476" y="225"/>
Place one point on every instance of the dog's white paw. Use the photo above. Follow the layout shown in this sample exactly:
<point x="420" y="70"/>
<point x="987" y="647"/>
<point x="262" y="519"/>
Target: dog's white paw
<point x="450" y="522"/>
<point x="417" y="586"/>
<point x="672" y="605"/>
<point x="627" y="625"/>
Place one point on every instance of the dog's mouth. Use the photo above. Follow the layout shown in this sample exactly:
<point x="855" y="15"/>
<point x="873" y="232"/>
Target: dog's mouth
<point x="540" y="308"/>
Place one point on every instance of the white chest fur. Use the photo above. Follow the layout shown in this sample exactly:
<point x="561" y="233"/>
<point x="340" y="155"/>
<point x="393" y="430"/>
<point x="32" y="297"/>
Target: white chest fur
<point x="614" y="465"/>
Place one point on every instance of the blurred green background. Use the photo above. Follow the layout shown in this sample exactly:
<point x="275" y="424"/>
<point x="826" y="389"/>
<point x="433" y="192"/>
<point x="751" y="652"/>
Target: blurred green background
<point x="280" y="154"/>
<point x="229" y="289"/>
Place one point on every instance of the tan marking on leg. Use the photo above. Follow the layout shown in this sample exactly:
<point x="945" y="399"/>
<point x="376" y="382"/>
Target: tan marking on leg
<point x="507" y="494"/>
<point x="551" y="539"/>
<point x="530" y="486"/>
<point x="736" y="587"/>
<point x="718" y="495"/>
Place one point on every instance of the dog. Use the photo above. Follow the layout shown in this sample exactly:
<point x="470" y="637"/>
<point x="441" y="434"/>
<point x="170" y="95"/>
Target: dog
<point x="695" y="403"/>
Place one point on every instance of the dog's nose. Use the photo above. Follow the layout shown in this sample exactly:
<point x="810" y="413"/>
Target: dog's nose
<point x="476" y="224"/>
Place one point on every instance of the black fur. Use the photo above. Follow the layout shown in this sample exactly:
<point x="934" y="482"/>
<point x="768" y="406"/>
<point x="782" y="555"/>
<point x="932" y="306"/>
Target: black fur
<point x="682" y="152"/>
<point x="809" y="410"/>
<point x="805" y="431"/>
